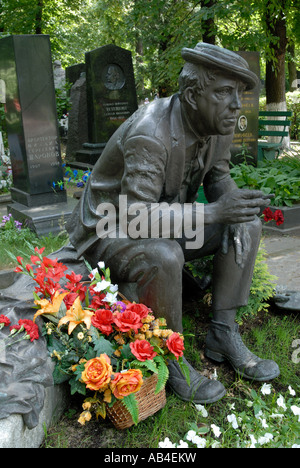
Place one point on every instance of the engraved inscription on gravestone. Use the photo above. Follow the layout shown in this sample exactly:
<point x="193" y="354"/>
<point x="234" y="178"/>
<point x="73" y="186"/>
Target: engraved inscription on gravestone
<point x="246" y="132"/>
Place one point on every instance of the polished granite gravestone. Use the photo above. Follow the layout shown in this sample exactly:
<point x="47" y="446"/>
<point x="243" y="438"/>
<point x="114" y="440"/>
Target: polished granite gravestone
<point x="38" y="193"/>
<point x="246" y="131"/>
<point x="111" y="97"/>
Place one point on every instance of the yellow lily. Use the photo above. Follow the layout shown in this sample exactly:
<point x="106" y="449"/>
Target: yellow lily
<point x="76" y="315"/>
<point x="49" y="308"/>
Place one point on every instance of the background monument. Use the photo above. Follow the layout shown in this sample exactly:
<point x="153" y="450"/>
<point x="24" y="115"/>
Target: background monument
<point x="246" y="131"/>
<point x="32" y="127"/>
<point x="111" y="97"/>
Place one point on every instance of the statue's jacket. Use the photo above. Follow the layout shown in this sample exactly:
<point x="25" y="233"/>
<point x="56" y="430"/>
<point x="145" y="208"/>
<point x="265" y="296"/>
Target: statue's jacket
<point x="146" y="160"/>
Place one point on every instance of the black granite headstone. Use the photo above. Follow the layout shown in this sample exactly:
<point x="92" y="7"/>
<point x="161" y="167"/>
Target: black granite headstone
<point x="246" y="132"/>
<point x="31" y="116"/>
<point x="32" y="127"/>
<point x="111" y="96"/>
<point x="74" y="72"/>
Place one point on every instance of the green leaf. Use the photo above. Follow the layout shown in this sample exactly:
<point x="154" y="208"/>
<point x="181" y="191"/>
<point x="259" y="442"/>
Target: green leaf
<point x="77" y="386"/>
<point x="131" y="405"/>
<point x="103" y="346"/>
<point x="163" y="374"/>
<point x="149" y="364"/>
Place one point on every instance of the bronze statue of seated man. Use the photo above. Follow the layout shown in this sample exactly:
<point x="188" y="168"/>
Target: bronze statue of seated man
<point x="159" y="157"/>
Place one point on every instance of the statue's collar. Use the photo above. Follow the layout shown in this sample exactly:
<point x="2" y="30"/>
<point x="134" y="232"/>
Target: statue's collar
<point x="191" y="135"/>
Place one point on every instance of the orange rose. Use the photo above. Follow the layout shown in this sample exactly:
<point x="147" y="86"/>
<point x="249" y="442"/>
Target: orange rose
<point x="97" y="373"/>
<point x="126" y="383"/>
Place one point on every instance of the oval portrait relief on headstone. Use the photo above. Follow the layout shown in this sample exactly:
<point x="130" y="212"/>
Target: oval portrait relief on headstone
<point x="113" y="77"/>
<point x="242" y="123"/>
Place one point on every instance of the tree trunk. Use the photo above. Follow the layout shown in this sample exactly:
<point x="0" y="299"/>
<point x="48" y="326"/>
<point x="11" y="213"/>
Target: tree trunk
<point x="275" y="68"/>
<point x="208" y="26"/>
<point x="39" y="17"/>
<point x="292" y="67"/>
<point x="275" y="65"/>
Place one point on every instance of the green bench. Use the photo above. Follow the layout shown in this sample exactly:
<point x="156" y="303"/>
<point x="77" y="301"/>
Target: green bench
<point x="268" y="149"/>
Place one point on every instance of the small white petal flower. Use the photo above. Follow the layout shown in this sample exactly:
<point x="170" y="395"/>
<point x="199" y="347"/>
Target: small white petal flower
<point x="101" y="265"/>
<point x="199" y="441"/>
<point x="111" y="298"/>
<point x="253" y="441"/>
<point x="102" y="285"/>
<point x="266" y="389"/>
<point x="166" y="443"/>
<point x="202" y="410"/>
<point x="216" y="430"/>
<point x="190" y="435"/>
<point x="281" y="402"/>
<point x="231" y="418"/>
<point x="292" y="391"/>
<point x="265" y="439"/>
<point x="182" y="444"/>
<point x="296" y="410"/>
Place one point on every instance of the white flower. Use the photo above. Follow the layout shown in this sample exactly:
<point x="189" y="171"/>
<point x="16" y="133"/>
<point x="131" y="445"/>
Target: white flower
<point x="296" y="410"/>
<point x="231" y="418"/>
<point x="281" y="402"/>
<point x="276" y="415"/>
<point x="111" y="297"/>
<point x="216" y="430"/>
<point x="232" y="406"/>
<point x="182" y="444"/>
<point x="266" y="389"/>
<point x="202" y="410"/>
<point x="199" y="441"/>
<point x="101" y="265"/>
<point x="263" y="423"/>
<point x="295" y="446"/>
<point x="292" y="391"/>
<point x="113" y="288"/>
<point x="166" y="443"/>
<point x="253" y="441"/>
<point x="265" y="439"/>
<point x="259" y="414"/>
<point x="102" y="285"/>
<point x="190" y="435"/>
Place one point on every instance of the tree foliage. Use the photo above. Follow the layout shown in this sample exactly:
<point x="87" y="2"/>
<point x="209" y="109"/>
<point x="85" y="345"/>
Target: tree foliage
<point x="156" y="30"/>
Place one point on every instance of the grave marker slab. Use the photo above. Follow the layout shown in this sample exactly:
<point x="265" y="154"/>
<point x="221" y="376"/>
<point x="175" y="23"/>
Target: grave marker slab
<point x="246" y="132"/>
<point x="111" y="97"/>
<point x="32" y="126"/>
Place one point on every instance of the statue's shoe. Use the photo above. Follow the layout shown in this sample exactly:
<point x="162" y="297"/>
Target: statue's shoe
<point x="200" y="391"/>
<point x="225" y="343"/>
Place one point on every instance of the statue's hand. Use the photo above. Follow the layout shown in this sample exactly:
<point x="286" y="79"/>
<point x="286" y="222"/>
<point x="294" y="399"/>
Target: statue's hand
<point x="241" y="240"/>
<point x="239" y="206"/>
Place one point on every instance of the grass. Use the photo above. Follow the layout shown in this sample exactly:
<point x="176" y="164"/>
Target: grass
<point x="270" y="336"/>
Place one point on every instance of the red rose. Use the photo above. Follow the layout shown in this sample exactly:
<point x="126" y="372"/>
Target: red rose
<point x="268" y="215"/>
<point x="175" y="345"/>
<point x="278" y="217"/>
<point x="139" y="309"/>
<point x="126" y="321"/>
<point x="103" y="320"/>
<point x="142" y="350"/>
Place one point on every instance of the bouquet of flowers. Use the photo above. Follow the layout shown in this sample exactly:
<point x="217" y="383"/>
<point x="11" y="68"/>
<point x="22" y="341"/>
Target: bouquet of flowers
<point x="104" y="347"/>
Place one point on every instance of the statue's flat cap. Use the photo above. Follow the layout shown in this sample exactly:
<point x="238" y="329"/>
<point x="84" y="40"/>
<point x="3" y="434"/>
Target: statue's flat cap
<point x="223" y="59"/>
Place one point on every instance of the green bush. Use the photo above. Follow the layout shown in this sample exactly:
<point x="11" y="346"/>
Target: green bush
<point x="281" y="177"/>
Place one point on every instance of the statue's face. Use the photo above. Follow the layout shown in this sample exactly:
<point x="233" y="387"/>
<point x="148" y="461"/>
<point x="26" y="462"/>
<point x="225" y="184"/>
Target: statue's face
<point x="218" y="107"/>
